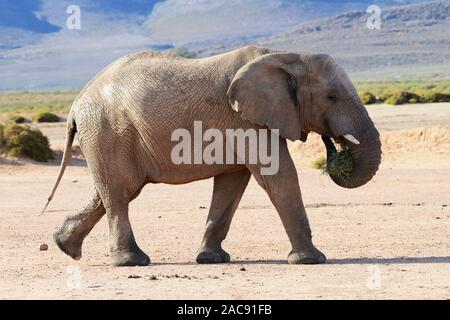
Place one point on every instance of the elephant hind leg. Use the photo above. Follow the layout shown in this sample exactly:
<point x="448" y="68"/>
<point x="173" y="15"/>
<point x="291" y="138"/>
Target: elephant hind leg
<point x="122" y="244"/>
<point x="228" y="191"/>
<point x="70" y="236"/>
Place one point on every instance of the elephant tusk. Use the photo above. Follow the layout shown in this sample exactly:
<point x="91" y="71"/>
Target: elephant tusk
<point x="351" y="138"/>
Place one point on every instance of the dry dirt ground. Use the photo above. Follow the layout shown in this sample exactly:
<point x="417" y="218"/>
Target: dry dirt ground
<point x="388" y="239"/>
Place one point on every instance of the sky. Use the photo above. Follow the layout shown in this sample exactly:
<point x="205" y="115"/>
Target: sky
<point x="38" y="50"/>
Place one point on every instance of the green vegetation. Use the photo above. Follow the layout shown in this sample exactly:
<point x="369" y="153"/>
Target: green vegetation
<point x="367" y="98"/>
<point x="29" y="102"/>
<point x="2" y="137"/>
<point x="427" y="91"/>
<point x="340" y="163"/>
<point x="46" y="117"/>
<point x="18" y="119"/>
<point x="320" y="163"/>
<point x="397" y="92"/>
<point x="435" y="97"/>
<point x="401" y="97"/>
<point x="381" y="88"/>
<point x="22" y="141"/>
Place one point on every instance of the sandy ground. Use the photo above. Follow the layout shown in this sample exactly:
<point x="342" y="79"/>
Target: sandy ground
<point x="388" y="239"/>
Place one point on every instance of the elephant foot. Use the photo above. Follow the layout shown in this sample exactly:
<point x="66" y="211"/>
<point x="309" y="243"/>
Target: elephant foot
<point x="130" y="259"/>
<point x="311" y="256"/>
<point x="68" y="244"/>
<point x="206" y="255"/>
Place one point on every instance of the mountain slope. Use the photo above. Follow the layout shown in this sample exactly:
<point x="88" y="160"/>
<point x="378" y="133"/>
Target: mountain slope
<point x="66" y="59"/>
<point x="202" y="22"/>
<point x="414" y="41"/>
<point x="38" y="52"/>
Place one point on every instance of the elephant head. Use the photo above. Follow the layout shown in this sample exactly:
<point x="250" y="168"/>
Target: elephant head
<point x="299" y="93"/>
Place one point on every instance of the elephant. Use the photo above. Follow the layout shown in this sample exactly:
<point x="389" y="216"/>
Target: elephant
<point x="125" y="116"/>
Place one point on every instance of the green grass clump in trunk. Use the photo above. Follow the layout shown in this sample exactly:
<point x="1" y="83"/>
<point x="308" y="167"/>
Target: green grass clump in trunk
<point x="339" y="164"/>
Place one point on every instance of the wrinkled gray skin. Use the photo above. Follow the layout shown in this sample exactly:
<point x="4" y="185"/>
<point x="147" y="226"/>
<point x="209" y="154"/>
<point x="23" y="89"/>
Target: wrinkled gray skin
<point x="125" y="117"/>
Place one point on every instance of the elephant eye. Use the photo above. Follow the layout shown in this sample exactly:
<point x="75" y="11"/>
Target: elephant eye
<point x="332" y="97"/>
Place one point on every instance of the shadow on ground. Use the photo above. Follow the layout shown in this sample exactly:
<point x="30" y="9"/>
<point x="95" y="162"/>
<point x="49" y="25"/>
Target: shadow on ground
<point x="346" y="261"/>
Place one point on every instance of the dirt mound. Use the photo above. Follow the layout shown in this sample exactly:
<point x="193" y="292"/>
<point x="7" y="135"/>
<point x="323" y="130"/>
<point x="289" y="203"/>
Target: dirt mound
<point x="421" y="139"/>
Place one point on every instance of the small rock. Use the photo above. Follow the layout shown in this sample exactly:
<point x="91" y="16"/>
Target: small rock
<point x="134" y="276"/>
<point x="387" y="204"/>
<point x="74" y="181"/>
<point x="437" y="218"/>
<point x="153" y="278"/>
<point x="242" y="269"/>
<point x="202" y="207"/>
<point x="159" y="217"/>
<point x="43" y="247"/>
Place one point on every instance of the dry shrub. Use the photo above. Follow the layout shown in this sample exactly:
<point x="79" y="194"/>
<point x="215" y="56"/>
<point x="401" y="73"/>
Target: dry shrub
<point x="367" y="98"/>
<point x="18" y="119"/>
<point x="46" y="117"/>
<point x="2" y="137"/>
<point x="23" y="141"/>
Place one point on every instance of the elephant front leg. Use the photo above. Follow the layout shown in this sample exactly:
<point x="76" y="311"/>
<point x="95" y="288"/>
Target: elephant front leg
<point x="228" y="191"/>
<point x="70" y="236"/>
<point x="284" y="192"/>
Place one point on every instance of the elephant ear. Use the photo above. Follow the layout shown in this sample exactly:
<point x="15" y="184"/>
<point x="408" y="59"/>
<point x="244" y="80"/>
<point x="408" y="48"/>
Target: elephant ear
<point x="264" y="91"/>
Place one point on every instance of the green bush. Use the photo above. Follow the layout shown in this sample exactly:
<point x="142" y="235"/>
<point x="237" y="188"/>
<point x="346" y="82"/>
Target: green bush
<point x="2" y="136"/>
<point x="383" y="88"/>
<point x="400" y="97"/>
<point x="394" y="100"/>
<point x="23" y="141"/>
<point x="367" y="98"/>
<point x="18" y="119"/>
<point x="434" y="97"/>
<point x="46" y="117"/>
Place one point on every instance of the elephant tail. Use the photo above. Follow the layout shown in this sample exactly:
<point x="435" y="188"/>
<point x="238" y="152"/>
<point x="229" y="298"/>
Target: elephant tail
<point x="71" y="130"/>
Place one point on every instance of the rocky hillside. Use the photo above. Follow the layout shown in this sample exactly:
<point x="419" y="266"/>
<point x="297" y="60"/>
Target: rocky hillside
<point x="413" y="42"/>
<point x="39" y="52"/>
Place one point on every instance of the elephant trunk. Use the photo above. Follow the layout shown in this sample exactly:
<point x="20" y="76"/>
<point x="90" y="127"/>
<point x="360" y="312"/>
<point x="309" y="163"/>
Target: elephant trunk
<point x="366" y="157"/>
